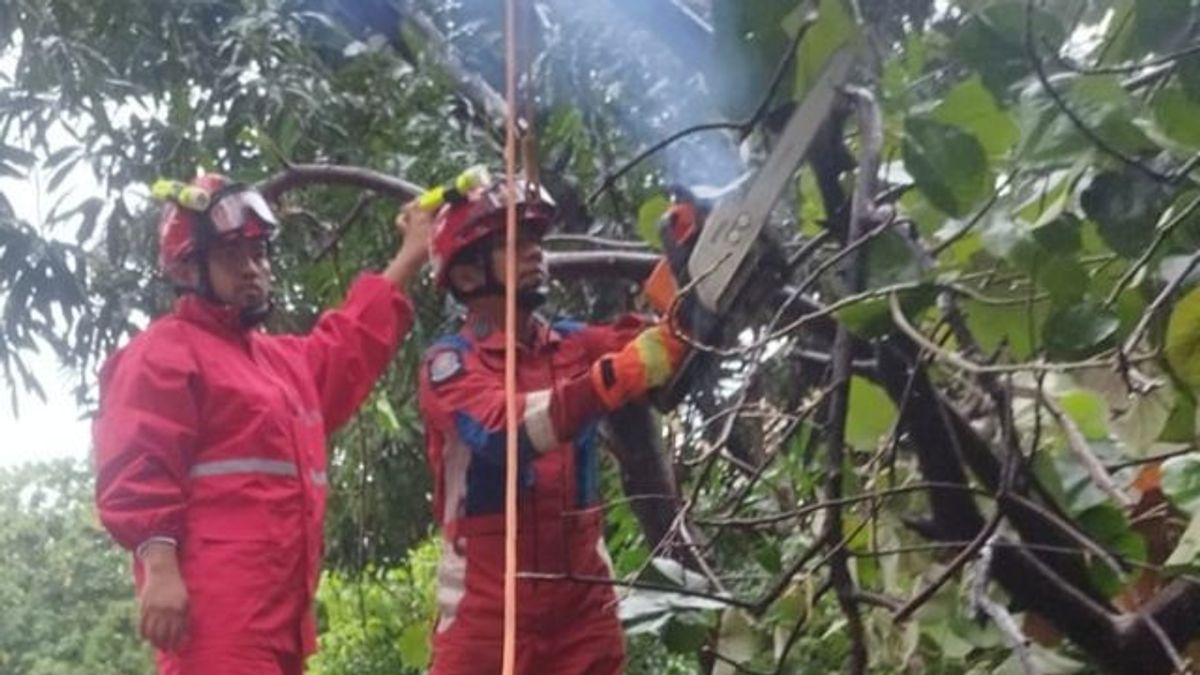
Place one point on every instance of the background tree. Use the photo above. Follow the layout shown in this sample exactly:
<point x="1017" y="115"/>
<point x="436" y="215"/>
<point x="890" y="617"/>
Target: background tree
<point x="64" y="588"/>
<point x="964" y="423"/>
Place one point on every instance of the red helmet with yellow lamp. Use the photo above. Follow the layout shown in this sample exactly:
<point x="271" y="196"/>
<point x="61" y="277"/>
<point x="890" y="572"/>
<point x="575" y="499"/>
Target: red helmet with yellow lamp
<point x="209" y="209"/>
<point x="466" y="226"/>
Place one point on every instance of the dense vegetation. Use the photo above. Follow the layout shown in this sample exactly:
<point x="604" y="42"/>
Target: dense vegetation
<point x="957" y="435"/>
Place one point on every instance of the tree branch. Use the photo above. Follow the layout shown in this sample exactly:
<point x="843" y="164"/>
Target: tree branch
<point x="303" y="175"/>
<point x="862" y="211"/>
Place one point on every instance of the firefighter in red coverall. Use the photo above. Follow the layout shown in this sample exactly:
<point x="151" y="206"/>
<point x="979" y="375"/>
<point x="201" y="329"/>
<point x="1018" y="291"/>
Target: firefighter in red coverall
<point x="210" y="437"/>
<point x="569" y="375"/>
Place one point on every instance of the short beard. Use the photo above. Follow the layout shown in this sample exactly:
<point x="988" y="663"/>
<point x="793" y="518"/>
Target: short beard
<point x="532" y="297"/>
<point x="253" y="316"/>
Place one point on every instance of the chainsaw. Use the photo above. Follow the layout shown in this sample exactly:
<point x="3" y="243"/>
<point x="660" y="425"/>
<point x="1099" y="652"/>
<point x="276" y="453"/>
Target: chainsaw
<point x="717" y="256"/>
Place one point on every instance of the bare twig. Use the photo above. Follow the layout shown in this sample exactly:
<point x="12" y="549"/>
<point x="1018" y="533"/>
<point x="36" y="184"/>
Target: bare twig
<point x="1124" y="68"/>
<point x="598" y="242"/>
<point x="641" y="585"/>
<point x="963" y="363"/>
<point x="1161" y="299"/>
<point x="355" y="213"/>
<point x="743" y="127"/>
<point x="975" y="220"/>
<point x="1079" y="447"/>
<point x="862" y="211"/>
<point x="775" y="518"/>
<point x="1000" y="616"/>
<point x="1159" y="238"/>
<point x="795" y="633"/>
<point x="1152" y="459"/>
<point x="611" y="178"/>
<point x="965" y="555"/>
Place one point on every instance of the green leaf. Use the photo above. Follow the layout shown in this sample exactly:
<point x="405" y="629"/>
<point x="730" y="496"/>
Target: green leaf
<point x="1062" y="235"/>
<point x="1183" y="339"/>
<point x="992" y="43"/>
<point x="1180" y="426"/>
<point x="385" y="415"/>
<point x="1100" y="103"/>
<point x="1177" y="116"/>
<point x="1016" y="326"/>
<point x="1064" y="278"/>
<point x="892" y="258"/>
<point x="871" y="414"/>
<point x="949" y="165"/>
<point x="1187" y="69"/>
<point x="1079" y="331"/>
<point x="1181" y="483"/>
<point x="736" y="640"/>
<point x="970" y="106"/>
<point x="679" y="575"/>
<point x="1089" y="412"/>
<point x="1126" y="207"/>
<point x="1110" y="528"/>
<point x="1188" y="549"/>
<point x="413" y="646"/>
<point x="748" y="41"/>
<point x="873" y="318"/>
<point x="835" y="27"/>
<point x="656" y="607"/>
<point x="1142" y="424"/>
<point x="649" y="213"/>
<point x="685" y="633"/>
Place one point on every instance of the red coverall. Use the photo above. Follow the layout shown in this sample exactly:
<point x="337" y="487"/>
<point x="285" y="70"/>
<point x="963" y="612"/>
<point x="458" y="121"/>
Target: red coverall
<point x="565" y="628"/>
<point x="213" y="436"/>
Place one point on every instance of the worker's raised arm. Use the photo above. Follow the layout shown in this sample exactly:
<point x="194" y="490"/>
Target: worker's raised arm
<point x="349" y="347"/>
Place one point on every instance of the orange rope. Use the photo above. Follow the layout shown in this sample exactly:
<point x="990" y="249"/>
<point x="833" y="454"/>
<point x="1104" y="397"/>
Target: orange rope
<point x="510" y="345"/>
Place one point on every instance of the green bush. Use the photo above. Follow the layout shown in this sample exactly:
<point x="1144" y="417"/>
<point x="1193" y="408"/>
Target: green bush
<point x="377" y="622"/>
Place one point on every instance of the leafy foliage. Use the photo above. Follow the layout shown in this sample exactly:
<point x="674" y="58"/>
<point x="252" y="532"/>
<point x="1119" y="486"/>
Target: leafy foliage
<point x="1038" y="159"/>
<point x="66" y="590"/>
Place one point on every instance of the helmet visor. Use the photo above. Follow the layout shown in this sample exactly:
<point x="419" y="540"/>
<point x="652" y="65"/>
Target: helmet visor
<point x="242" y="211"/>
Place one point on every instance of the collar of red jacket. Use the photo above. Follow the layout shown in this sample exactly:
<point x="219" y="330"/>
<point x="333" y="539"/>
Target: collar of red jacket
<point x="222" y="318"/>
<point x="489" y="337"/>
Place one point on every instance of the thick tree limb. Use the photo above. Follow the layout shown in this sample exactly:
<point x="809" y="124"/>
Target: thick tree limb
<point x="303" y="175"/>
<point x="637" y="445"/>
<point x="1037" y="580"/>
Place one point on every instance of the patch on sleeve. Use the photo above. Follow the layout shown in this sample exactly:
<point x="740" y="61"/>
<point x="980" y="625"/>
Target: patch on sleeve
<point x="444" y="365"/>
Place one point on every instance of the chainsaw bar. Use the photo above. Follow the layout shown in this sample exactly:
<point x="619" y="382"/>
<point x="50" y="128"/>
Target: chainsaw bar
<point x="718" y="264"/>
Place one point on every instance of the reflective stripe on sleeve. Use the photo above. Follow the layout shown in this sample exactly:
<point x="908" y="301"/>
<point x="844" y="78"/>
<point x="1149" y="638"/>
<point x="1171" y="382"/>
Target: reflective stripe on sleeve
<point x="223" y="467"/>
<point x="538" y="423"/>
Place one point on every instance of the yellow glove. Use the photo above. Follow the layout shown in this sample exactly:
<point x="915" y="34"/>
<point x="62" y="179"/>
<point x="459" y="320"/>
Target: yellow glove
<point x="648" y="361"/>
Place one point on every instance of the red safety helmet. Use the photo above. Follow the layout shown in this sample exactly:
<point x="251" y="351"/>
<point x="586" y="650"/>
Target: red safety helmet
<point x="231" y="210"/>
<point x="480" y="215"/>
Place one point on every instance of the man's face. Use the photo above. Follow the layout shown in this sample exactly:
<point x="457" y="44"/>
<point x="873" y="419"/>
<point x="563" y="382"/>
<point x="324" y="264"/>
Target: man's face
<point x="240" y="272"/>
<point x="531" y="264"/>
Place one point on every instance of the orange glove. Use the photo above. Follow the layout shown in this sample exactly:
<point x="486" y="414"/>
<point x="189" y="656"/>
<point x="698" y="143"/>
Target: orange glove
<point x="648" y="361"/>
